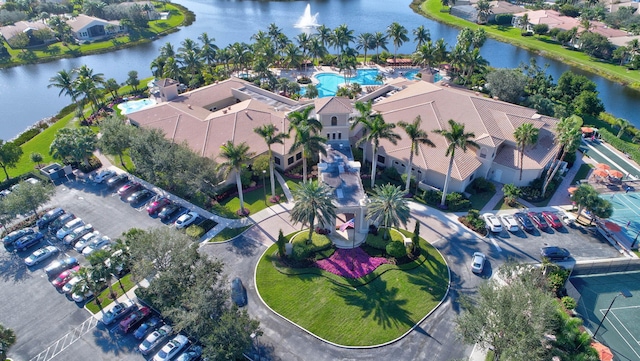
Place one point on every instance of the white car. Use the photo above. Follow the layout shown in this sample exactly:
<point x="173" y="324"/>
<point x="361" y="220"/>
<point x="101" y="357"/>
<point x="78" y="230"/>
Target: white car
<point x="77" y="233"/>
<point x="510" y="223"/>
<point x="567" y="218"/>
<point x="103" y="242"/>
<point x="104" y="175"/>
<point x="493" y="224"/>
<point x="118" y="311"/>
<point x="155" y="339"/>
<point x="186" y="219"/>
<point x="77" y="297"/>
<point x="477" y="262"/>
<point x="172" y="348"/>
<point x="69" y="286"/>
<point x="40" y="255"/>
<point x="84" y="241"/>
<point x="68" y="227"/>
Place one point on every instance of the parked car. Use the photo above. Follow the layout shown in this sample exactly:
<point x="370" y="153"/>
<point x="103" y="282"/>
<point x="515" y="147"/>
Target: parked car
<point x="40" y="255"/>
<point x="157" y="205"/>
<point x="155" y="339"/>
<point x="64" y="277"/>
<point x="118" y="180"/>
<point x="477" y="263"/>
<point x="186" y="219"/>
<point x="538" y="220"/>
<point x="79" y="297"/>
<point x="567" y="218"/>
<point x="49" y="217"/>
<point x="139" y="196"/>
<point x="60" y="222"/>
<point x="118" y="311"/>
<point x="524" y="222"/>
<point x="554" y="253"/>
<point x="510" y="223"/>
<point x="552" y="219"/>
<point x="4" y="193"/>
<point x="493" y="224"/>
<point x="172" y="348"/>
<point x="134" y="319"/>
<point x="128" y="189"/>
<point x="78" y="233"/>
<point x="238" y="292"/>
<point x="69" y="227"/>
<point x="103" y="242"/>
<point x="191" y="354"/>
<point x="85" y="240"/>
<point x="14" y="236"/>
<point x="104" y="176"/>
<point x="28" y="241"/>
<point x="57" y="266"/>
<point x="68" y="287"/>
<point x="168" y="211"/>
<point x="147" y="327"/>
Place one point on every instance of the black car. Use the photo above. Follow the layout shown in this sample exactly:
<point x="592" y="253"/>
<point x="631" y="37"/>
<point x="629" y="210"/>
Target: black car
<point x="238" y="292"/>
<point x="14" y="236"/>
<point x="554" y="253"/>
<point x="168" y="211"/>
<point x="29" y="241"/>
<point x="524" y="222"/>
<point x="60" y="222"/>
<point x="49" y="217"/>
<point x="117" y="180"/>
<point x="139" y="196"/>
<point x="58" y="266"/>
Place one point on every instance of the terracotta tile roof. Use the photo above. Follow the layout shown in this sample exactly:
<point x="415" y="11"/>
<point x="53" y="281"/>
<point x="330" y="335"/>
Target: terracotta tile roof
<point x="333" y="105"/>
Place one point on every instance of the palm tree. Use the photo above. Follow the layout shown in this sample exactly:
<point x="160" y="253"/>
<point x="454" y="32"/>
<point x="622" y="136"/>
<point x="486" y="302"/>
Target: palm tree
<point x="209" y="48"/>
<point x="313" y="200"/>
<point x="364" y="109"/>
<point x="65" y="82"/>
<point x="568" y="137"/>
<point x="457" y="139"/>
<point x="388" y="207"/>
<point x="364" y="41"/>
<point x="306" y="137"/>
<point x="324" y="34"/>
<point x="378" y="130"/>
<point x="398" y="34"/>
<point x="417" y="137"/>
<point x="525" y="134"/>
<point x="584" y="196"/>
<point x="511" y="193"/>
<point x="341" y="38"/>
<point x="623" y="125"/>
<point x="316" y="48"/>
<point x="236" y="158"/>
<point x="484" y="11"/>
<point x="87" y="282"/>
<point x="421" y="35"/>
<point x="270" y="134"/>
<point x="379" y="41"/>
<point x="425" y="55"/>
<point x="7" y="339"/>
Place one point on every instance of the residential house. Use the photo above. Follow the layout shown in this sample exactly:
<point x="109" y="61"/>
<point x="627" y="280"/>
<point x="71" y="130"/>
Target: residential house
<point x="24" y="27"/>
<point x="88" y="28"/>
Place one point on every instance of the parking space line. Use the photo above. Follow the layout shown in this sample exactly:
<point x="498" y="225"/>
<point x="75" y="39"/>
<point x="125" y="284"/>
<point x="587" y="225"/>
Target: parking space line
<point x="61" y="344"/>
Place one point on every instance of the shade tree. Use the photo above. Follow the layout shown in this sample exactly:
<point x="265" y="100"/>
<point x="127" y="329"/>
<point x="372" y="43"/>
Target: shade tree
<point x="10" y="154"/>
<point x="27" y="198"/>
<point x="74" y="145"/>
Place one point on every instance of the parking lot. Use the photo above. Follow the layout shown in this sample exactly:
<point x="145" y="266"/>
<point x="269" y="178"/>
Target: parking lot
<point x="48" y="323"/>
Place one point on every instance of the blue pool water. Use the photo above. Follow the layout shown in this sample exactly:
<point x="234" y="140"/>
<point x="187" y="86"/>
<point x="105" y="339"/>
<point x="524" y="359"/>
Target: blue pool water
<point x="328" y="82"/>
<point x="135" y="105"/>
<point x="411" y="75"/>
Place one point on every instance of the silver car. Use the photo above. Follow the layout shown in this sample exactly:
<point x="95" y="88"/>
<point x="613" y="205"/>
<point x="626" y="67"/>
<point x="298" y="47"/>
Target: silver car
<point x="155" y="339"/>
<point x="477" y="263"/>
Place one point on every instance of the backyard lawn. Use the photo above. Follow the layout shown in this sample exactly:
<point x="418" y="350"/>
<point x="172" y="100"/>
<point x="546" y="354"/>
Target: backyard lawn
<point x="371" y="310"/>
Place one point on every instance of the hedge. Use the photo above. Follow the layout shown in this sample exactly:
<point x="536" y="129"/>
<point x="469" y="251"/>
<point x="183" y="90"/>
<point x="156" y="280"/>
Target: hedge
<point x="621" y="145"/>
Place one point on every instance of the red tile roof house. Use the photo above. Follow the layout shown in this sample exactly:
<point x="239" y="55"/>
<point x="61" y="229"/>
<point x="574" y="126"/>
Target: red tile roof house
<point x="206" y="118"/>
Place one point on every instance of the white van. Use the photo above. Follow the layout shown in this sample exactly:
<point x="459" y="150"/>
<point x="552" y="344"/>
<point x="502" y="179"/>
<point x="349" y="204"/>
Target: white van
<point x="68" y="227"/>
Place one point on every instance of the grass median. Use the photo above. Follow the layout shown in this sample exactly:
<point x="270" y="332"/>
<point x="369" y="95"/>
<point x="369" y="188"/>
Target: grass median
<point x="127" y="284"/>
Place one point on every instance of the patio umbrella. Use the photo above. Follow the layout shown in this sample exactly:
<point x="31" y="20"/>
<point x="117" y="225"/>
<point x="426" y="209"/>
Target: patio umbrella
<point x="604" y="352"/>
<point x="600" y="173"/>
<point x="613" y="227"/>
<point x="586" y="130"/>
<point x="603" y="166"/>
<point x="615" y="174"/>
<point x="572" y="190"/>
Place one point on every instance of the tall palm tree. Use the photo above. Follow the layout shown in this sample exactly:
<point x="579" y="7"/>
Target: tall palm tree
<point x="623" y="125"/>
<point x="398" y="35"/>
<point x="364" y="41"/>
<point x="87" y="283"/>
<point x="417" y="137"/>
<point x="379" y="41"/>
<point x="324" y="34"/>
<point x="425" y="55"/>
<point x="378" y="129"/>
<point x="64" y="81"/>
<point x="525" y="134"/>
<point x="306" y="137"/>
<point x="457" y="139"/>
<point x="421" y="35"/>
<point x="388" y="207"/>
<point x="568" y="137"/>
<point x="313" y="200"/>
<point x="270" y="134"/>
<point x="364" y="111"/>
<point x="341" y="38"/>
<point x="316" y="48"/>
<point x="236" y="158"/>
<point x="209" y="48"/>
<point x="584" y="196"/>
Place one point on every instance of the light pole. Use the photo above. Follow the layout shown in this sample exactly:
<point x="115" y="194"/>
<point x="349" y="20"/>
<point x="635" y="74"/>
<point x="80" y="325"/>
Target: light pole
<point x="264" y="186"/>
<point x="624" y="293"/>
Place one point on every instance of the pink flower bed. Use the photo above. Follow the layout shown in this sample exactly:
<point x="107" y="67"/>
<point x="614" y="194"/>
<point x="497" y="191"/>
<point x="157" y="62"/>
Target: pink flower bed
<point x="350" y="263"/>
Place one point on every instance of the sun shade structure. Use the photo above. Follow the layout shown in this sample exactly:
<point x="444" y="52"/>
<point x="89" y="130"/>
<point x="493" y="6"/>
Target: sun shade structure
<point x="615" y="174"/>
<point x="613" y="227"/>
<point x="572" y="190"/>
<point x="600" y="173"/>
<point x="586" y="130"/>
<point x="603" y="166"/>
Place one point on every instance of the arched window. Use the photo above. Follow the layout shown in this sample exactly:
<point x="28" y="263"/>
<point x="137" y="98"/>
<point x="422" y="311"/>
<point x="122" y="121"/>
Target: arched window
<point x="334" y="121"/>
<point x="483" y="153"/>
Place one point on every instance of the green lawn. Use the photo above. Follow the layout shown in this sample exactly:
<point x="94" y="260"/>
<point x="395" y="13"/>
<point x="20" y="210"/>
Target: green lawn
<point x="228" y="233"/>
<point x="255" y="200"/>
<point x="355" y="312"/>
<point x="478" y="201"/>
<point x="127" y="283"/>
<point x="582" y="172"/>
<point x="542" y="45"/>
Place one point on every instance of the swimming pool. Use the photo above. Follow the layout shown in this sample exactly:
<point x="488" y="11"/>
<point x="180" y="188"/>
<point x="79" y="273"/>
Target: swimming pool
<point x="411" y="75"/>
<point x="329" y="82"/>
<point x="135" y="105"/>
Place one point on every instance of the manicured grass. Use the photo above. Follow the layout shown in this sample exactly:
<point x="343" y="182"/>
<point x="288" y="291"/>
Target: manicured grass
<point x="582" y="172"/>
<point x="372" y="310"/>
<point x="127" y="283"/>
<point x="478" y="201"/>
<point x="318" y="240"/>
<point x="491" y="356"/>
<point x="254" y="201"/>
<point x="502" y="206"/>
<point x="542" y="45"/>
<point x="228" y="233"/>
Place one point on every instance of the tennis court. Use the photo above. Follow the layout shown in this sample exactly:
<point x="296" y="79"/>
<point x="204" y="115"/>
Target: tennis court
<point x="626" y="213"/>
<point x="620" y="331"/>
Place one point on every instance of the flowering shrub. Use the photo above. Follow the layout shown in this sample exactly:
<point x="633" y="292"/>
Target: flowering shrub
<point x="350" y="263"/>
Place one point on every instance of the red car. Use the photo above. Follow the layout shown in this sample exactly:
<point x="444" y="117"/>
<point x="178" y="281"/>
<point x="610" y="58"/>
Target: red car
<point x="157" y="205"/>
<point x="133" y="320"/>
<point x="64" y="277"/>
<point x="553" y="220"/>
<point x="538" y="220"/>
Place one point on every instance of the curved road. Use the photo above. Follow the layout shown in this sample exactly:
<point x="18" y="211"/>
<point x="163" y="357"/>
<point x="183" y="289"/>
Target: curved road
<point x="432" y="339"/>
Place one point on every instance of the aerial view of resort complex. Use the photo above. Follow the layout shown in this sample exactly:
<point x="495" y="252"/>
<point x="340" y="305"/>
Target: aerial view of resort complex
<point x="436" y="180"/>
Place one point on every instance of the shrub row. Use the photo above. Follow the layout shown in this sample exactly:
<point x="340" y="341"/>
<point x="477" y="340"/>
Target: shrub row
<point x="455" y="201"/>
<point x="480" y="185"/>
<point x="621" y="145"/>
<point x="304" y="250"/>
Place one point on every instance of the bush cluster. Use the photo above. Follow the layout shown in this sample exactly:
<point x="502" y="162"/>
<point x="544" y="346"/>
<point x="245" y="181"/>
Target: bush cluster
<point x="474" y="222"/>
<point x="305" y="250"/>
<point x="533" y="192"/>
<point x="621" y="145"/>
<point x="503" y="19"/>
<point x="396" y="249"/>
<point x="480" y="185"/>
<point x="568" y="302"/>
<point x="455" y="201"/>
<point x="392" y="174"/>
<point x="195" y="231"/>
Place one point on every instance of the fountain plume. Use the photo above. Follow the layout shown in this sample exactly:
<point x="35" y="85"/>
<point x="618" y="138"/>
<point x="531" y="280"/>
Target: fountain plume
<point x="307" y="20"/>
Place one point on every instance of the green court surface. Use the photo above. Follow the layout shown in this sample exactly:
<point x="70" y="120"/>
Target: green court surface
<point x="626" y="213"/>
<point x="620" y="331"/>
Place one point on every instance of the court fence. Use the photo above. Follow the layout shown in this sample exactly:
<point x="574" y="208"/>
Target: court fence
<point x="611" y="265"/>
